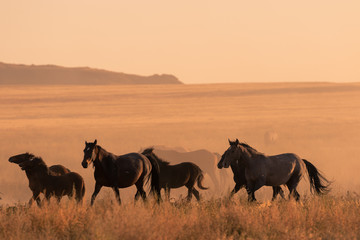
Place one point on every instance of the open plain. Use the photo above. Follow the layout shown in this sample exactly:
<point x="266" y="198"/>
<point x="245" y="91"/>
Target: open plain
<point x="318" y="121"/>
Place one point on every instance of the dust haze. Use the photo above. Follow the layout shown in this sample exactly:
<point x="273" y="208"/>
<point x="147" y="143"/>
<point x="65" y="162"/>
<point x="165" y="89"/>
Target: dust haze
<point x="318" y="121"/>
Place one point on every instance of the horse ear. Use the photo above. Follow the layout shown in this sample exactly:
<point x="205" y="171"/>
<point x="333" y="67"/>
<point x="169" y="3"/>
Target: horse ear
<point x="229" y="141"/>
<point x="237" y="141"/>
<point x="95" y="142"/>
<point x="86" y="143"/>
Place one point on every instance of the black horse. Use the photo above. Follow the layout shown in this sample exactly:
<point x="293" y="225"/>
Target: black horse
<point x="42" y="180"/>
<point x="54" y="170"/>
<point x="175" y="176"/>
<point x="262" y="170"/>
<point x="121" y="171"/>
<point x="238" y="169"/>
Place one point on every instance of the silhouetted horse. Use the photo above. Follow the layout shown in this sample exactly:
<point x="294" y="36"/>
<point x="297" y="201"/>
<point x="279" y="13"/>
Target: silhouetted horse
<point x="274" y="170"/>
<point x="175" y="176"/>
<point x="240" y="179"/>
<point x="55" y="170"/>
<point x="120" y="171"/>
<point x="42" y="180"/>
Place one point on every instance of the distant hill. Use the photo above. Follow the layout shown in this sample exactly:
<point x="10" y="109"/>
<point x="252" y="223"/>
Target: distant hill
<point x="57" y="75"/>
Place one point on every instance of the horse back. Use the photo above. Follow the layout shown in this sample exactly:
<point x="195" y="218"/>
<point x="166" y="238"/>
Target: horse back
<point x="177" y="175"/>
<point x="133" y="162"/>
<point x="65" y="184"/>
<point x="278" y="169"/>
<point x="57" y="170"/>
<point x="281" y="161"/>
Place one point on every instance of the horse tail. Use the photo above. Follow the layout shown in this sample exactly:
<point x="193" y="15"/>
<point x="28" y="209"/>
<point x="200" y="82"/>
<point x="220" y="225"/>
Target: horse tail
<point x="199" y="181"/>
<point x="83" y="190"/>
<point x="79" y="187"/>
<point x="317" y="181"/>
<point x="155" y="178"/>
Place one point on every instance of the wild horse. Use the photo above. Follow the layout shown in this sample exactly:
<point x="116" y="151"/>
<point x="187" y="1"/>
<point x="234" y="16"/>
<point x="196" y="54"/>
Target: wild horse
<point x="120" y="171"/>
<point x="42" y="180"/>
<point x="54" y="170"/>
<point x="178" y="175"/>
<point x="274" y="170"/>
<point x="240" y="179"/>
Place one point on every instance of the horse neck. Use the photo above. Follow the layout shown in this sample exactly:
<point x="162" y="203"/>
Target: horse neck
<point x="38" y="174"/>
<point x="162" y="165"/>
<point x="101" y="154"/>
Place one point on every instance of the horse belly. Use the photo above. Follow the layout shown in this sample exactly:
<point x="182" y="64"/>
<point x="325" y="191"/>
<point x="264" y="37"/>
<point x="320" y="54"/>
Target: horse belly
<point x="173" y="179"/>
<point x="127" y="178"/>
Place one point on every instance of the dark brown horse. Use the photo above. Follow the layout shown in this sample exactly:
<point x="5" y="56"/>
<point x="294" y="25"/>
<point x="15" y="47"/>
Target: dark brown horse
<point x="57" y="182"/>
<point x="120" y="171"/>
<point x="240" y="179"/>
<point x="175" y="176"/>
<point x="262" y="170"/>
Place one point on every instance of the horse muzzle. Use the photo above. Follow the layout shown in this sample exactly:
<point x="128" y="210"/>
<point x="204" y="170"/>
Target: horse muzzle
<point x="84" y="164"/>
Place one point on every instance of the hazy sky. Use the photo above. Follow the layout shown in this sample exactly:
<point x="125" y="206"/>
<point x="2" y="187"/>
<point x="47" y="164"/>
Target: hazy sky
<point x="198" y="41"/>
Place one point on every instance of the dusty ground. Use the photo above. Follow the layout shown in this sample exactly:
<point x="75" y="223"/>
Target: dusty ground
<point x="318" y="121"/>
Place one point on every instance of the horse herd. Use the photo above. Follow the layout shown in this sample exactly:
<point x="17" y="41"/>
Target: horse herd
<point x="252" y="170"/>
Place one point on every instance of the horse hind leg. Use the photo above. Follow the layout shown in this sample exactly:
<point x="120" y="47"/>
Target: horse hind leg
<point x="190" y="191"/>
<point x="140" y="191"/>
<point x="196" y="194"/>
<point x="137" y="195"/>
<point x="167" y="193"/>
<point x="276" y="191"/>
<point x="79" y="194"/>
<point x="292" y="184"/>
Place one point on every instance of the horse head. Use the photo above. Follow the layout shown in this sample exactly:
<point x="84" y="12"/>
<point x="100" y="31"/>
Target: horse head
<point x="233" y="153"/>
<point x="34" y="163"/>
<point x="89" y="153"/>
<point x="17" y="159"/>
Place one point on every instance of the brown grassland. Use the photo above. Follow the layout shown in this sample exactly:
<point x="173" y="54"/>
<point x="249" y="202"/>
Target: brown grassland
<point x="318" y="121"/>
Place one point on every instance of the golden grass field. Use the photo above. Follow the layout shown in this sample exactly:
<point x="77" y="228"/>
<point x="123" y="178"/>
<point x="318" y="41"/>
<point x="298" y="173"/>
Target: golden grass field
<point x="318" y="121"/>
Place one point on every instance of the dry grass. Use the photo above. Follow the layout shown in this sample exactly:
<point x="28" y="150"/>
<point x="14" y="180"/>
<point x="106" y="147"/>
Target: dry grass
<point x="327" y="217"/>
<point x="318" y="121"/>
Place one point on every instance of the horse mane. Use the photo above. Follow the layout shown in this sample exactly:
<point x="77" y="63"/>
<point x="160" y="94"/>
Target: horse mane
<point x="30" y="155"/>
<point x="251" y="149"/>
<point x="149" y="151"/>
<point x="113" y="156"/>
<point x="41" y="162"/>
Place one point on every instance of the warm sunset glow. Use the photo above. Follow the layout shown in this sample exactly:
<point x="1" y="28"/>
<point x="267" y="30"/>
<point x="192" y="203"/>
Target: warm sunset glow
<point x="197" y="41"/>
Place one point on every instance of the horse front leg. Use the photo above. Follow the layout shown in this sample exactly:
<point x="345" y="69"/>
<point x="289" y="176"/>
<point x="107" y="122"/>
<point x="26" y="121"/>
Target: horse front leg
<point x="252" y="186"/>
<point x="235" y="190"/>
<point x="96" y="191"/>
<point x="36" y="197"/>
<point x="251" y="193"/>
<point x="117" y="194"/>
<point x="47" y="196"/>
